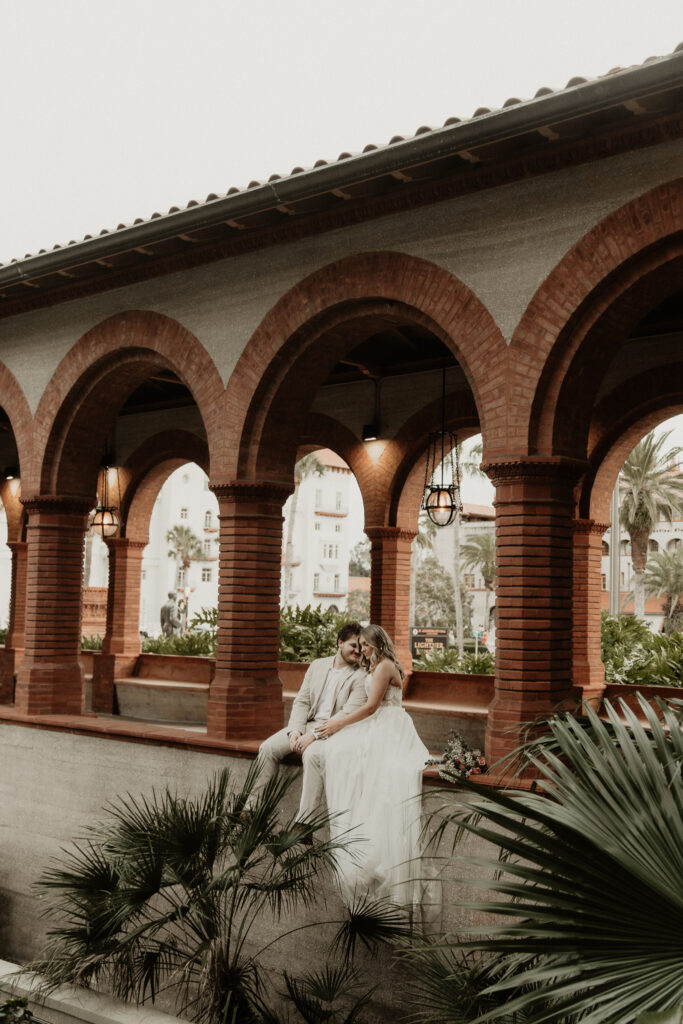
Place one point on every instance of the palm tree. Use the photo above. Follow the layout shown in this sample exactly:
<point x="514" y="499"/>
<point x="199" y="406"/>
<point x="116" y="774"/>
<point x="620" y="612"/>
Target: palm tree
<point x="479" y="554"/>
<point x="309" y="465"/>
<point x="586" y="886"/>
<point x="422" y="547"/>
<point x="470" y="465"/>
<point x="186" y="547"/>
<point x="165" y="891"/>
<point x="651" y="489"/>
<point x="664" y="576"/>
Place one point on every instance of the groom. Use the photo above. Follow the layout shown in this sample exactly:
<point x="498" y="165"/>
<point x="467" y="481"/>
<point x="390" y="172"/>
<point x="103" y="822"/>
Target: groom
<point x="332" y="687"/>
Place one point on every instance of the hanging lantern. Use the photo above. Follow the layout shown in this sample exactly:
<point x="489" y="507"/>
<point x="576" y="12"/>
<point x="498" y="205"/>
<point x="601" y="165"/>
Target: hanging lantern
<point x="441" y="499"/>
<point x="105" y="518"/>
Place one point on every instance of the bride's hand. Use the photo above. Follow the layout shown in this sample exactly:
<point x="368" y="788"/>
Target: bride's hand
<point x="328" y="728"/>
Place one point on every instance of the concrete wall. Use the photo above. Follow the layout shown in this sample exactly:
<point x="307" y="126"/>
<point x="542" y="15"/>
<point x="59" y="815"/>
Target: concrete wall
<point x="53" y="784"/>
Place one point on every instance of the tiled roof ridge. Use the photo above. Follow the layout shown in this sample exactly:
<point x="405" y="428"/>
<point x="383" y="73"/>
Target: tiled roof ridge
<point x="480" y="112"/>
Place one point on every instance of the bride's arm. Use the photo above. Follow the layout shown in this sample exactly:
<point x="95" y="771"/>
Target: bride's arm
<point x="381" y="678"/>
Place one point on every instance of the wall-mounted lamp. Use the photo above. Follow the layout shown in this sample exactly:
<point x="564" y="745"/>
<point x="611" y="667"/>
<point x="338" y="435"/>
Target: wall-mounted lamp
<point x="441" y="499"/>
<point x="11" y="474"/>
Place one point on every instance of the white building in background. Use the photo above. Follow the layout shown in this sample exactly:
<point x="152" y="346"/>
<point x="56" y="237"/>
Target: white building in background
<point x="328" y="523"/>
<point x="323" y="521"/>
<point x="665" y="537"/>
<point x="475" y="519"/>
<point x="184" y="500"/>
<point x="5" y="570"/>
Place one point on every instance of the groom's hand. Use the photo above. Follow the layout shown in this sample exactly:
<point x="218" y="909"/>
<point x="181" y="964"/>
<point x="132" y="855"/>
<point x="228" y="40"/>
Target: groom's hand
<point x="294" y="738"/>
<point x="303" y="742"/>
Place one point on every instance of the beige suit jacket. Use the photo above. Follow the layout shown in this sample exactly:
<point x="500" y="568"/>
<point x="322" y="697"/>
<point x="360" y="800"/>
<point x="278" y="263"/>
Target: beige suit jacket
<point x="350" y="693"/>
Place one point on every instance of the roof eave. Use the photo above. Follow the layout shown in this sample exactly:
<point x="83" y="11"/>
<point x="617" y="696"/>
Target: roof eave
<point x="527" y="116"/>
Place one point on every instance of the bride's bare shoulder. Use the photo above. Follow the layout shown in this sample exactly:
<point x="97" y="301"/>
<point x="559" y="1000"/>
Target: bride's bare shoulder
<point x="387" y="672"/>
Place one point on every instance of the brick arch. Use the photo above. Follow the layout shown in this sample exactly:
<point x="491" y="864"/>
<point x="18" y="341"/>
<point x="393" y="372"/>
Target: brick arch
<point x="13" y="401"/>
<point x="146" y="471"/>
<point x="286" y="358"/>
<point x="407" y="486"/>
<point x="595" y="293"/>
<point x="392" y="484"/>
<point x="628" y="414"/>
<point x="93" y="380"/>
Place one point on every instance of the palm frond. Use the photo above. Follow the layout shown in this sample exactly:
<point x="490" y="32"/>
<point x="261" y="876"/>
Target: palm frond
<point x="592" y="871"/>
<point x="370" y="923"/>
<point x="314" y="995"/>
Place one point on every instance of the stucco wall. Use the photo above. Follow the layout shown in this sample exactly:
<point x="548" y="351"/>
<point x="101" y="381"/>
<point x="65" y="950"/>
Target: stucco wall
<point x="53" y="784"/>
<point x="502" y="243"/>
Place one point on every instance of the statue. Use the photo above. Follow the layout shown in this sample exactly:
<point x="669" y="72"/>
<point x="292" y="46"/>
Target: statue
<point x="170" y="625"/>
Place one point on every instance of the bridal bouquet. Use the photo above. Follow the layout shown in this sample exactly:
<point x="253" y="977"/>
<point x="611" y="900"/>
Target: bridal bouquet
<point x="459" y="760"/>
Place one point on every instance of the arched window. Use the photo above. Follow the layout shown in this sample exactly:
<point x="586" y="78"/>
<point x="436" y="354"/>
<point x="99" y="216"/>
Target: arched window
<point x="605" y="548"/>
<point x="653" y="546"/>
<point x="673" y="544"/>
<point x="208" y="519"/>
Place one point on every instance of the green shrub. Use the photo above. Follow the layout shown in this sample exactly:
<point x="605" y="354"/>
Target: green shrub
<point x="199" y="645"/>
<point x="449" y="661"/>
<point x="309" y="633"/>
<point x="446" y="660"/>
<point x="3" y="634"/>
<point x="91" y="643"/>
<point x="205" y="621"/>
<point x="482" y="664"/>
<point x="632" y="654"/>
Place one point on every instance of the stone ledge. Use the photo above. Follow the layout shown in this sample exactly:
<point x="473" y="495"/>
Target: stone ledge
<point x="67" y="1004"/>
<point x="116" y="728"/>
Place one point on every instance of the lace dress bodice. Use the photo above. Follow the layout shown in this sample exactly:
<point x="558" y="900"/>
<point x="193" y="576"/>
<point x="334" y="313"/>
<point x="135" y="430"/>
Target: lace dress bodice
<point x="392" y="697"/>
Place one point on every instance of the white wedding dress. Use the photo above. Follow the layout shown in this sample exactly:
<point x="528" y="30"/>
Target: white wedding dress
<point x="373" y="785"/>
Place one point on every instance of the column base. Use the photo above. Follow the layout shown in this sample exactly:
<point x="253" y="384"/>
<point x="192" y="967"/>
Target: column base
<point x="7" y="675"/>
<point x="243" y="706"/>
<point x="106" y="668"/>
<point x="50" y="688"/>
<point x="591" y="696"/>
<point x="512" y="712"/>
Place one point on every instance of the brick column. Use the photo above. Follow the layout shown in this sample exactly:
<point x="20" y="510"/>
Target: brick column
<point x="17" y="608"/>
<point x="123" y="596"/>
<point x="50" y="678"/>
<point x="121" y="642"/>
<point x="534" y="551"/>
<point x="245" y="699"/>
<point x="588" y="669"/>
<point x="390" y="585"/>
<point x="14" y="641"/>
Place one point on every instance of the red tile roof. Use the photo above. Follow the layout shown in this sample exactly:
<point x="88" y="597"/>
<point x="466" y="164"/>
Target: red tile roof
<point x="396" y="140"/>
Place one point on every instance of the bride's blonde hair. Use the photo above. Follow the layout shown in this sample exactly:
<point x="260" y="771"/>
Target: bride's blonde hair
<point x="383" y="648"/>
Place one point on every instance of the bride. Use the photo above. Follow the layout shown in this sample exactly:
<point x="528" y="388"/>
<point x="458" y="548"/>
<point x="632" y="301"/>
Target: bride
<point x="373" y="784"/>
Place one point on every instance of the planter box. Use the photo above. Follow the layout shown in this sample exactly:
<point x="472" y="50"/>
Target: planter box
<point x="616" y="691"/>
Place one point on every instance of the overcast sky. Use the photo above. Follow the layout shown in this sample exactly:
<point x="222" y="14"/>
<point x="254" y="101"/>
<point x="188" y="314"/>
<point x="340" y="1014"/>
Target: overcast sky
<point x="113" y="109"/>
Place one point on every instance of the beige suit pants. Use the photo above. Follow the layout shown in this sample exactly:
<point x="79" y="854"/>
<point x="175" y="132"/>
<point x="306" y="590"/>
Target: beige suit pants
<point x="273" y="751"/>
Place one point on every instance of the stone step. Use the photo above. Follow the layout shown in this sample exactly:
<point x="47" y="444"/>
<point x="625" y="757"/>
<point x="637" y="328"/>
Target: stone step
<point x="162" y="700"/>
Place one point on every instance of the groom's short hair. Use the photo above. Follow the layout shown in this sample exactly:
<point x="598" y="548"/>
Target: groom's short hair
<point x="348" y="630"/>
